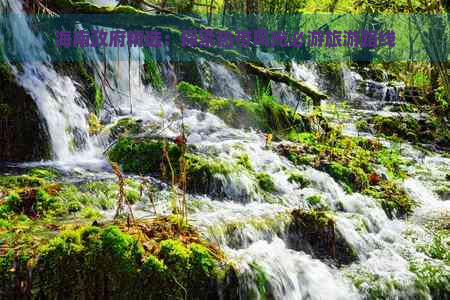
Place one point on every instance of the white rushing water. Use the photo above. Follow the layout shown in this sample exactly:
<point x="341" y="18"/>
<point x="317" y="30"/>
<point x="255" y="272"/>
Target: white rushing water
<point x="55" y="95"/>
<point x="260" y="242"/>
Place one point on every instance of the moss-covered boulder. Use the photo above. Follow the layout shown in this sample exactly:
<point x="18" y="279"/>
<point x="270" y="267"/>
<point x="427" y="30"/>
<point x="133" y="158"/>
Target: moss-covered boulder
<point x="315" y="233"/>
<point x="429" y="130"/>
<point x="105" y="262"/>
<point x="143" y="156"/>
<point x="146" y="156"/>
<point x="264" y="113"/>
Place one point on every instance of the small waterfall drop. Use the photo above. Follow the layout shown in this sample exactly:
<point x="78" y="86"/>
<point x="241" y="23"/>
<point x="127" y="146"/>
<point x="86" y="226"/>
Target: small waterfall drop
<point x="55" y="95"/>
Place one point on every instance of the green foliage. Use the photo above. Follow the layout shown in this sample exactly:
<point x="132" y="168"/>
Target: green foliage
<point x="351" y="162"/>
<point x="10" y="181"/>
<point x="201" y="260"/>
<point x="153" y="264"/>
<point x="125" y="126"/>
<point x="362" y="125"/>
<point x="432" y="278"/>
<point x="90" y="213"/>
<point x="13" y="199"/>
<point x="314" y="200"/>
<point x="244" y="161"/>
<point x="441" y="98"/>
<point x="263" y="112"/>
<point x="299" y="179"/>
<point x="151" y="73"/>
<point x="393" y="199"/>
<point x="125" y="250"/>
<point x="201" y="172"/>
<point x="47" y="204"/>
<point x="194" y="94"/>
<point x="142" y="157"/>
<point x="132" y="196"/>
<point x="374" y="286"/>
<point x="261" y="280"/>
<point x="182" y="261"/>
<point x="44" y="173"/>
<point x="343" y="175"/>
<point x="392" y="160"/>
<point x="439" y="248"/>
<point x="431" y="130"/>
<point x="421" y="79"/>
<point x="265" y="182"/>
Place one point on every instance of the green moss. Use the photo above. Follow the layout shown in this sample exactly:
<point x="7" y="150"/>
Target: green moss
<point x="265" y="182"/>
<point x="201" y="260"/>
<point x="351" y="178"/>
<point x="374" y="286"/>
<point x="47" y="204"/>
<point x="314" y="231"/>
<point x="124" y="127"/>
<point x="298" y="178"/>
<point x="153" y="264"/>
<point x="201" y="173"/>
<point x="90" y="213"/>
<point x="144" y="156"/>
<point x="21" y="181"/>
<point x="244" y="161"/>
<point x="352" y="163"/>
<point x="260" y="280"/>
<point x="307" y="138"/>
<point x="432" y="278"/>
<point x="179" y="258"/>
<point x="430" y="130"/>
<point x="314" y="200"/>
<point x="44" y="173"/>
<point x="152" y="73"/>
<point x="362" y="125"/>
<point x="194" y="94"/>
<point x="392" y="160"/>
<point x="264" y="113"/>
<point x="13" y="199"/>
<point x="393" y="199"/>
<point x="132" y="196"/>
<point x="439" y="248"/>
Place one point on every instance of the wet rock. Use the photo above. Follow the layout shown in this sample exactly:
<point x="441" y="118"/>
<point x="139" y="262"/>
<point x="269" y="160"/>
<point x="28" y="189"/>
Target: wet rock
<point x="315" y="233"/>
<point x="23" y="132"/>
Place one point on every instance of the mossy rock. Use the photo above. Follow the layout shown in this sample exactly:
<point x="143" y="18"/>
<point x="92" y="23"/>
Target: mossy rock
<point x="125" y="127"/>
<point x="264" y="113"/>
<point x="299" y="179"/>
<point x="352" y="178"/>
<point x="315" y="233"/>
<point x="202" y="175"/>
<point x="104" y="262"/>
<point x="143" y="156"/>
<point x="24" y="135"/>
<point x="430" y="130"/>
<point x="265" y="182"/>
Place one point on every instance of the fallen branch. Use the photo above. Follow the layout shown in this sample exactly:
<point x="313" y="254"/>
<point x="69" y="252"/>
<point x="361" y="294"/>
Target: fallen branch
<point x="315" y="95"/>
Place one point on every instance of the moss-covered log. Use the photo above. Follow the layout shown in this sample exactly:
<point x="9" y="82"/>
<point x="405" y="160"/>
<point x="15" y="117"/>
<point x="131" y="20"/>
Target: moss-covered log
<point x="315" y="95"/>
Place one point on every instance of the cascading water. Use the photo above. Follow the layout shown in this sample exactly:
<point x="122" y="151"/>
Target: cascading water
<point x="55" y="95"/>
<point x="260" y="243"/>
<point x="368" y="93"/>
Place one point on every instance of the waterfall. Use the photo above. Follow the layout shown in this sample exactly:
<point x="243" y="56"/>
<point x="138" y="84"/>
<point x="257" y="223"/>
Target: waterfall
<point x="56" y="96"/>
<point x="369" y="93"/>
